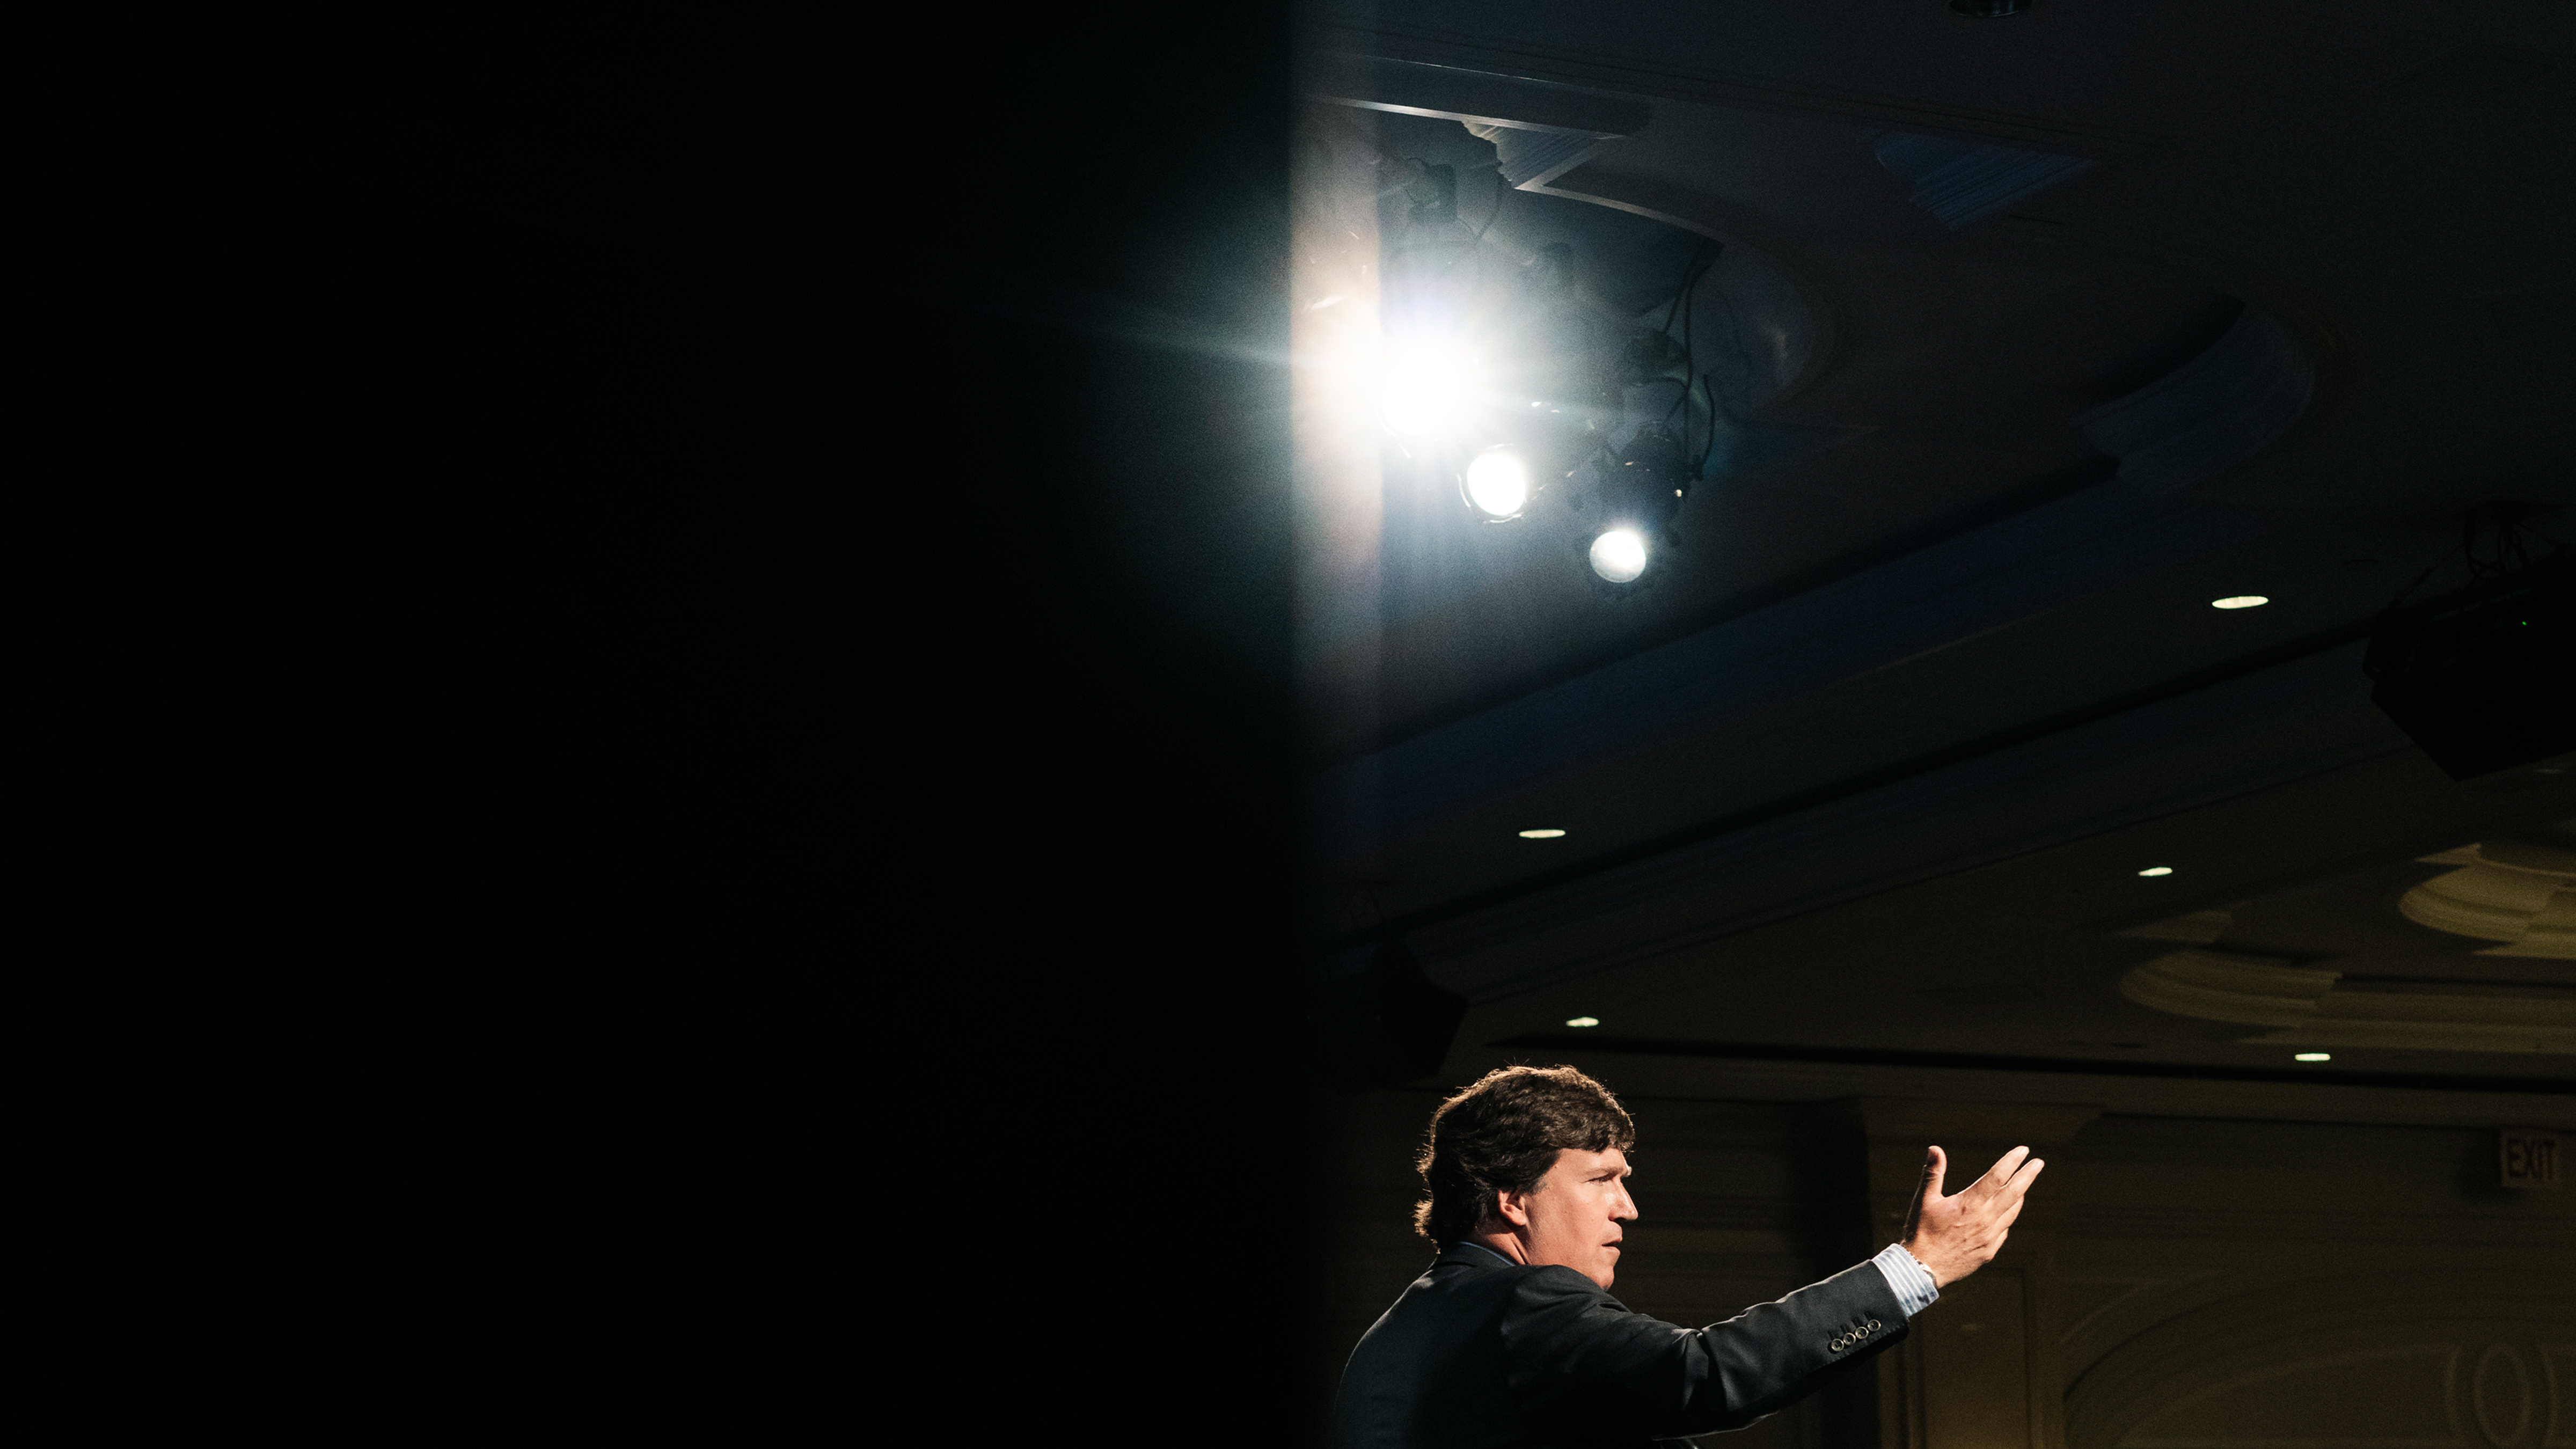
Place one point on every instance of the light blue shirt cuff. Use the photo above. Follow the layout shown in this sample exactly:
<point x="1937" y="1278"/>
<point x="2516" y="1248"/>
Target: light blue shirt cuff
<point x="1905" y="1278"/>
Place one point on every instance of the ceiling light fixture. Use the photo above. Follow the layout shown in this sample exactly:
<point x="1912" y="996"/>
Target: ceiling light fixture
<point x="1583" y="1021"/>
<point x="1541" y="834"/>
<point x="2240" y="601"/>
<point x="2313" y="1057"/>
<point x="1641" y="487"/>
<point x="1619" y="555"/>
<point x="1498" y="484"/>
<point x="2157" y="870"/>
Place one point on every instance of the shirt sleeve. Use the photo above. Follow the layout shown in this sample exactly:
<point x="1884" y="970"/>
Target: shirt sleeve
<point x="1906" y="1278"/>
<point x="1580" y="1364"/>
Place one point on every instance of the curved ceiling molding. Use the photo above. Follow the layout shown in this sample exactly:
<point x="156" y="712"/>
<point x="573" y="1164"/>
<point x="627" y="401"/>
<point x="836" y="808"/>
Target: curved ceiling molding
<point x="2200" y="928"/>
<point x="2211" y="413"/>
<point x="2519" y="893"/>
<point x="2223" y="986"/>
<point x="2316" y="1007"/>
<point x="1676" y="74"/>
<point x="1539" y="132"/>
<point x="1963" y="181"/>
<point x="1529" y="158"/>
<point x="1476" y="97"/>
<point x="2436" y="1017"/>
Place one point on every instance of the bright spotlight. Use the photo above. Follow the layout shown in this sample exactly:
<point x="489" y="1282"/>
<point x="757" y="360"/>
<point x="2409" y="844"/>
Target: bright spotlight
<point x="1498" y="484"/>
<point x="2240" y="601"/>
<point x="2312" y="1056"/>
<point x="1619" y="555"/>
<point x="1420" y="389"/>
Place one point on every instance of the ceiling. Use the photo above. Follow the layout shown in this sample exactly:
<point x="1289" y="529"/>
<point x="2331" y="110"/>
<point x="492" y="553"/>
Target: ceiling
<point x="2037" y="335"/>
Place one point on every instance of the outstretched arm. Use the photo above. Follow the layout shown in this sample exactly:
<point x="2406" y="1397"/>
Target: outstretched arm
<point x="1586" y="1367"/>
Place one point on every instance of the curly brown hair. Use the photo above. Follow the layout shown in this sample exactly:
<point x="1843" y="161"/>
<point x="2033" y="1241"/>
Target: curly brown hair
<point x="1502" y="1135"/>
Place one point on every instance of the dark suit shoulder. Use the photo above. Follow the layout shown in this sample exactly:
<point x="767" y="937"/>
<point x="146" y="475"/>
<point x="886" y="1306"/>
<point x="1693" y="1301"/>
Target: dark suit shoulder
<point x="1429" y="1373"/>
<point x="1535" y="1285"/>
<point x="1554" y="1319"/>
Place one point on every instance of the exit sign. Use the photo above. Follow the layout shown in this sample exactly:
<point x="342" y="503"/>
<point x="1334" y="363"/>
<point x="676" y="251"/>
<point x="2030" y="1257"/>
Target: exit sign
<point x="2528" y="1158"/>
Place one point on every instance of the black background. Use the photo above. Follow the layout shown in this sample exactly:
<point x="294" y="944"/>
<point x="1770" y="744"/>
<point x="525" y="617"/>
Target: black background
<point x="886" y="707"/>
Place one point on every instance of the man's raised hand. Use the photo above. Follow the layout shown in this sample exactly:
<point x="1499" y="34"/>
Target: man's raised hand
<point x="1955" y="1236"/>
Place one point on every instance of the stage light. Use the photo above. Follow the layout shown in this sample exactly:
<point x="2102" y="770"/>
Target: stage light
<point x="2240" y="601"/>
<point x="1421" y="388"/>
<point x="1541" y="834"/>
<point x="2157" y="870"/>
<point x="1619" y="555"/>
<point x="1498" y="484"/>
<point x="2313" y="1057"/>
<point x="1584" y="1021"/>
<point x="1640" y="490"/>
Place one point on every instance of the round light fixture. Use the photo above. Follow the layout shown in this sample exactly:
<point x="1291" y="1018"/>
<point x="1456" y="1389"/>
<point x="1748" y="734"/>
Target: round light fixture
<point x="1498" y="484"/>
<point x="1619" y="555"/>
<point x="2157" y="870"/>
<point x="1541" y="834"/>
<point x="1583" y="1021"/>
<point x="2312" y="1057"/>
<point x="2240" y="601"/>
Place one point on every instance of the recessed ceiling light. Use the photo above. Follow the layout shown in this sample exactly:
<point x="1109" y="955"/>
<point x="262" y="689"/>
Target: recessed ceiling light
<point x="2157" y="870"/>
<point x="1583" y="1021"/>
<point x="2240" y="601"/>
<point x="1541" y="834"/>
<point x="2313" y="1057"/>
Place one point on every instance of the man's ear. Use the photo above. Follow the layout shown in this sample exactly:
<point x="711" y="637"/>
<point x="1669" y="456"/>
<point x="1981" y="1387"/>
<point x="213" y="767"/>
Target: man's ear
<point x="1513" y="1208"/>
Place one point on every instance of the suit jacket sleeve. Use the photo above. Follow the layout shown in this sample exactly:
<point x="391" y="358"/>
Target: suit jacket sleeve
<point x="1585" y="1367"/>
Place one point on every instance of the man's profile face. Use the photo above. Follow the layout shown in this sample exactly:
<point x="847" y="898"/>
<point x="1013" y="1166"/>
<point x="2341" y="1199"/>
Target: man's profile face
<point x="1575" y="1216"/>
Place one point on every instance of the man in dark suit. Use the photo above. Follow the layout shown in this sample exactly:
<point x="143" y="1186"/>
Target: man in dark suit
<point x="1512" y="1340"/>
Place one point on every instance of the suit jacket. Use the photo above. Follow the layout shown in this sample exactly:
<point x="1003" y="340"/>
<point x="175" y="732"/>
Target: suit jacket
<point x="1483" y="1354"/>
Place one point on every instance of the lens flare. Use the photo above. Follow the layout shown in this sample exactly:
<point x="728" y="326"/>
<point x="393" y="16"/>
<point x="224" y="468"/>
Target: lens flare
<point x="1619" y="555"/>
<point x="1421" y="389"/>
<point x="1498" y="484"/>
